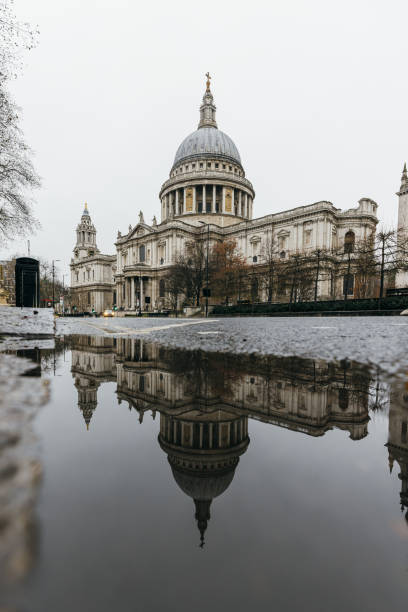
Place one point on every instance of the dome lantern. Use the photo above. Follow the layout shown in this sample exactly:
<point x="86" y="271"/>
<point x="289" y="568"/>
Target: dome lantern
<point x="208" y="108"/>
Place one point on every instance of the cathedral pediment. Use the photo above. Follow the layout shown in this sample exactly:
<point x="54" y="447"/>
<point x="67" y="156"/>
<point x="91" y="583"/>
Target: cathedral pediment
<point x="141" y="229"/>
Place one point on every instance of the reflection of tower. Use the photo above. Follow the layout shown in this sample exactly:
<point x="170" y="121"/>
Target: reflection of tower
<point x="398" y="440"/>
<point x="87" y="396"/>
<point x="93" y="362"/>
<point x="203" y="450"/>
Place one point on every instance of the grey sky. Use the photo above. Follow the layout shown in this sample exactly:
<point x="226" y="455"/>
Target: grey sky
<point x="313" y="93"/>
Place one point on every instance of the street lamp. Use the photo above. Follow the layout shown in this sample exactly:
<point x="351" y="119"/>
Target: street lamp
<point x="63" y="292"/>
<point x="206" y="266"/>
<point x="53" y="282"/>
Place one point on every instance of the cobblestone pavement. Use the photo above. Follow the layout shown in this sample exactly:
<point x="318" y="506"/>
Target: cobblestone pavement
<point x="381" y="341"/>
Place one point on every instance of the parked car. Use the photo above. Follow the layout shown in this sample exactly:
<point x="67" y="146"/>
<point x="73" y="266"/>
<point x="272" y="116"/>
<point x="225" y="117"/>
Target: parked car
<point x="108" y="313"/>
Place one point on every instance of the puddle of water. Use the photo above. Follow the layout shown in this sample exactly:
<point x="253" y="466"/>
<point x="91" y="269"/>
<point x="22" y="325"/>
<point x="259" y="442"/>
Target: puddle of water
<point x="177" y="478"/>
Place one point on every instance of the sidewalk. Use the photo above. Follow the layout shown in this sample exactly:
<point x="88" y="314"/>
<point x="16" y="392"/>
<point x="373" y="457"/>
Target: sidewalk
<point x="27" y="322"/>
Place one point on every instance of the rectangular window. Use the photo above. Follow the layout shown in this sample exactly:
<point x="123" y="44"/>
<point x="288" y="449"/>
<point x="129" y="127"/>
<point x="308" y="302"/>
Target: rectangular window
<point x="141" y="384"/>
<point x="348" y="284"/>
<point x="142" y="253"/>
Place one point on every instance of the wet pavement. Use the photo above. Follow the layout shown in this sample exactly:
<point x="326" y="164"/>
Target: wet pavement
<point x="217" y="465"/>
<point x="381" y="341"/>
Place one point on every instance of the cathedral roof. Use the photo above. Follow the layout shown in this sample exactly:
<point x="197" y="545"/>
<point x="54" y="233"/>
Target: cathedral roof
<point x="207" y="139"/>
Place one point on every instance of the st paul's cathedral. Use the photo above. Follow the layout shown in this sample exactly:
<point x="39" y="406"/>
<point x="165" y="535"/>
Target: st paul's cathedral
<point x="209" y="197"/>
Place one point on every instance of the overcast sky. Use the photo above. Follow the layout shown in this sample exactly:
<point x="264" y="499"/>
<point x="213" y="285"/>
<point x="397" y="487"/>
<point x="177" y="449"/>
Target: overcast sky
<point x="313" y="93"/>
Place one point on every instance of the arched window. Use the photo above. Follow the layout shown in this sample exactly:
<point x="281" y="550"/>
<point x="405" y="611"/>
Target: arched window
<point x="142" y="253"/>
<point x="162" y="287"/>
<point x="349" y="242"/>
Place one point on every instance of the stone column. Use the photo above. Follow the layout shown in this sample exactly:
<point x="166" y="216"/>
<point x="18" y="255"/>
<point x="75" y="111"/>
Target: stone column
<point x="204" y="200"/>
<point x="184" y="198"/>
<point x="223" y="200"/>
<point x="240" y="203"/>
<point x="177" y="202"/>
<point x="232" y="201"/>
<point x="141" y="292"/>
<point x="118" y="295"/>
<point x="132" y="293"/>
<point x="213" y="198"/>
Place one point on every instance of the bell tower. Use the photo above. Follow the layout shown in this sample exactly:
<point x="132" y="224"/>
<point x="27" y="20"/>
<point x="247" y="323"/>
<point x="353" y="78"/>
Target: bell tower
<point x="85" y="237"/>
<point x="401" y="280"/>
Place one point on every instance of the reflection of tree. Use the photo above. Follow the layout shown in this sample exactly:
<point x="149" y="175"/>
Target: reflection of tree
<point x="203" y="374"/>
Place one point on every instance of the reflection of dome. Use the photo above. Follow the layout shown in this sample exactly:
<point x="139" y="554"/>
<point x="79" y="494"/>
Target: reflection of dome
<point x="207" y="140"/>
<point x="203" y="486"/>
<point x="203" y="451"/>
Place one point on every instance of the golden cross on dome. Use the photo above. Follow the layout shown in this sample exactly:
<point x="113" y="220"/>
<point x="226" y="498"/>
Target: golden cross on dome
<point x="207" y="74"/>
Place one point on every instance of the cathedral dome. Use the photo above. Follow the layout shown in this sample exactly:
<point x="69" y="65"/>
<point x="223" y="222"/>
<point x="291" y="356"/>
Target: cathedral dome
<point x="207" y="177"/>
<point x="210" y="141"/>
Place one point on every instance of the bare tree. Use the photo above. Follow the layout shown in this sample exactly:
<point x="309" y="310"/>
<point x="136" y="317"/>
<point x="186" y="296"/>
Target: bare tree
<point x="50" y="286"/>
<point x="227" y="266"/>
<point x="270" y="258"/>
<point x="175" y="282"/>
<point x="17" y="175"/>
<point x="299" y="277"/>
<point x="387" y="255"/>
<point x="364" y="267"/>
<point x="191" y="269"/>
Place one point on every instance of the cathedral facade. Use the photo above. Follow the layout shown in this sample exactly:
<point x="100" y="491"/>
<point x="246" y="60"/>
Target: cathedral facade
<point x="208" y="198"/>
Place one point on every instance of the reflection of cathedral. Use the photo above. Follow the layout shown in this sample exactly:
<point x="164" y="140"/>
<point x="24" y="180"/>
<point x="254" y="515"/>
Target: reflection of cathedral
<point x="398" y="440"/>
<point x="205" y="401"/>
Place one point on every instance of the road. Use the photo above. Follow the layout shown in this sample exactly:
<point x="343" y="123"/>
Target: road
<point x="381" y="341"/>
